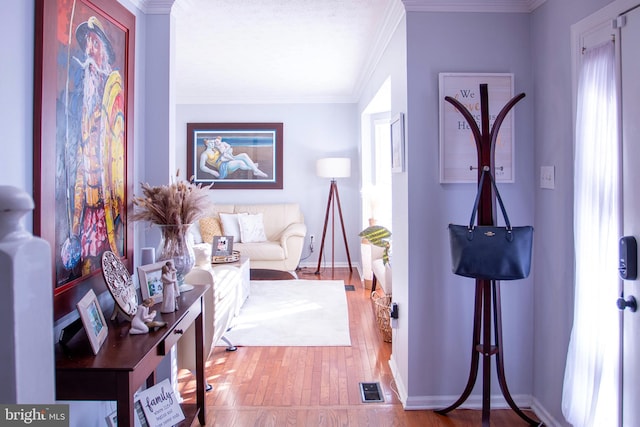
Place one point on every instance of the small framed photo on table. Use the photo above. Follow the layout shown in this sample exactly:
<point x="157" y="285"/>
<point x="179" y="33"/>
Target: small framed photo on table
<point x="93" y="320"/>
<point x="150" y="277"/>
<point x="222" y="246"/>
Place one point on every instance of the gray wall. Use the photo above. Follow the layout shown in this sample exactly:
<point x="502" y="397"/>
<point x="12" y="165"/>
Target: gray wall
<point x="434" y="340"/>
<point x="441" y="304"/>
<point x="16" y="107"/>
<point x="311" y="131"/>
<point x="553" y="287"/>
<point x="393" y="64"/>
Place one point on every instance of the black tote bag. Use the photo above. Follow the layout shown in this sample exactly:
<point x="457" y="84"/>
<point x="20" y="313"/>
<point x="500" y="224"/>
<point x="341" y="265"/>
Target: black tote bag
<point x="491" y="252"/>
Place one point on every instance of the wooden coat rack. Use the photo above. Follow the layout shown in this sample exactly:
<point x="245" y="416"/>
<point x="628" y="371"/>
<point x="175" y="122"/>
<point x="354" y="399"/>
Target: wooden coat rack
<point x="486" y="290"/>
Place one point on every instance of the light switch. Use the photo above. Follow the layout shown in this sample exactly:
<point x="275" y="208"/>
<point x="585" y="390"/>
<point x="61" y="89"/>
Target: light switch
<point x="548" y="177"/>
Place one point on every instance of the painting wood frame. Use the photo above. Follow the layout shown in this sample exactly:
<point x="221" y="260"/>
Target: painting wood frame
<point x="62" y="196"/>
<point x="458" y="155"/>
<point x="252" y="143"/>
<point x="93" y="320"/>
<point x="397" y="143"/>
<point x="150" y="281"/>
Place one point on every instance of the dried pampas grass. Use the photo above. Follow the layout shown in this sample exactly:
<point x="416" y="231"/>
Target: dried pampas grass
<point x="179" y="203"/>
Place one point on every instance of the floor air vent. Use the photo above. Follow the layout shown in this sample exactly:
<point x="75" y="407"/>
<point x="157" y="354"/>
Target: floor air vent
<point x="349" y="288"/>
<point x="370" y="392"/>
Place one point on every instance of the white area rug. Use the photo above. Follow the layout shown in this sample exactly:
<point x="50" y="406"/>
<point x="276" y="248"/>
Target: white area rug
<point x="304" y="313"/>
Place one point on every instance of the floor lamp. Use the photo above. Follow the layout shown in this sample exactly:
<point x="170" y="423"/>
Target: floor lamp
<point x="333" y="167"/>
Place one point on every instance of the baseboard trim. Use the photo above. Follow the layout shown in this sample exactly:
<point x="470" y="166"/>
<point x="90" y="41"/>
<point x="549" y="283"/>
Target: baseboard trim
<point x="543" y="414"/>
<point x="401" y="388"/>
<point x="474" y="401"/>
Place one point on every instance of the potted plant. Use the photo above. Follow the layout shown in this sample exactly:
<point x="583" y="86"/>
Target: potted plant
<point x="379" y="236"/>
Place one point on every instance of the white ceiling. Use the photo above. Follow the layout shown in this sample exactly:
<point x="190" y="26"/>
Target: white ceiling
<point x="279" y="51"/>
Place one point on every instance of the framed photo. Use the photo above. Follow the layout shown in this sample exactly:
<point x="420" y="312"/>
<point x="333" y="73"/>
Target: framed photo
<point x="82" y="179"/>
<point x="165" y="411"/>
<point x="222" y="246"/>
<point x="93" y="320"/>
<point x="112" y="419"/>
<point x="150" y="277"/>
<point x="458" y="154"/>
<point x="235" y="155"/>
<point x="397" y="143"/>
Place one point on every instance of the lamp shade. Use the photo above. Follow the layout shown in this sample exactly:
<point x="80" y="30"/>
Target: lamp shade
<point x="334" y="167"/>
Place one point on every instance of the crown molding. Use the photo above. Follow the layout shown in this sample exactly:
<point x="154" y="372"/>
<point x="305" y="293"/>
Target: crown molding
<point x="507" y="6"/>
<point x="393" y="16"/>
<point x="155" y="7"/>
<point x="205" y="99"/>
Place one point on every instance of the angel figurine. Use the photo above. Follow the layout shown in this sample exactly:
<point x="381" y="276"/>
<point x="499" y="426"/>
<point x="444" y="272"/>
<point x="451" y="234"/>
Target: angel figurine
<point x="170" y="289"/>
<point x="142" y="318"/>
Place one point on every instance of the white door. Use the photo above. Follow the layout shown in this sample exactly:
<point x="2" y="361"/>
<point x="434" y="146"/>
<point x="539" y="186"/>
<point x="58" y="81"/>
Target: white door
<point x="630" y="67"/>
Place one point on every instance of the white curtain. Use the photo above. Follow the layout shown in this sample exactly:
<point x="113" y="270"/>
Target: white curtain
<point x="591" y="393"/>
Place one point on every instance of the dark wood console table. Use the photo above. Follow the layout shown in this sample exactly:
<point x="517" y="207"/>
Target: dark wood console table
<point x="126" y="362"/>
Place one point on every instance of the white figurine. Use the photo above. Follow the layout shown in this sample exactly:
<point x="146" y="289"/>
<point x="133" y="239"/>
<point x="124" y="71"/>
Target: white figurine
<point x="170" y="289"/>
<point x="139" y="323"/>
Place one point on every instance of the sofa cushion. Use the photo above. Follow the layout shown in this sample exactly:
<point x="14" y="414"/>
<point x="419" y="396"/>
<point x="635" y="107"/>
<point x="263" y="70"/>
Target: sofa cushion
<point x="194" y="233"/>
<point x="251" y="228"/>
<point x="209" y="227"/>
<point x="265" y="251"/>
<point x="277" y="216"/>
<point x="231" y="225"/>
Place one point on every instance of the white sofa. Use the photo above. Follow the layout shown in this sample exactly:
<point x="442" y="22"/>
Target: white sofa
<point x="284" y="234"/>
<point x="222" y="302"/>
<point x="381" y="273"/>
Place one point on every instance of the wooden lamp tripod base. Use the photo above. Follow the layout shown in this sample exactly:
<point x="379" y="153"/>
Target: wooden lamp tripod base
<point x="334" y="198"/>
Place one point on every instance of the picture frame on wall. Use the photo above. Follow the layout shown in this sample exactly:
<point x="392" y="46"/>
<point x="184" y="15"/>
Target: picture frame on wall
<point x="93" y="320"/>
<point x="397" y="143"/>
<point x="235" y="155"/>
<point x="457" y="150"/>
<point x="82" y="179"/>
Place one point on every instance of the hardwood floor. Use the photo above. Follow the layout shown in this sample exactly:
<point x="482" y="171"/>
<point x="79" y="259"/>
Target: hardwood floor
<point x="318" y="386"/>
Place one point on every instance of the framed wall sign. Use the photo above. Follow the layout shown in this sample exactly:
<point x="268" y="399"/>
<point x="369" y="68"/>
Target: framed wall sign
<point x="83" y="146"/>
<point x="458" y="155"/>
<point x="235" y="155"/>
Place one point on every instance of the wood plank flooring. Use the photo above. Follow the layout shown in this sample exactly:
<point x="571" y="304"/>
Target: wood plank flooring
<point x="318" y="386"/>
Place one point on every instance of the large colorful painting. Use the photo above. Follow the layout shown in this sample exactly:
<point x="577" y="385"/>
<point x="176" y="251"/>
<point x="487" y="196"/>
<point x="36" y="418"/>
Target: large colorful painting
<point x="235" y="155"/>
<point x="82" y="139"/>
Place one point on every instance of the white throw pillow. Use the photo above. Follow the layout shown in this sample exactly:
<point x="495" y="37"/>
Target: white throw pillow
<point x="230" y="225"/>
<point x="252" y="228"/>
<point x="194" y="232"/>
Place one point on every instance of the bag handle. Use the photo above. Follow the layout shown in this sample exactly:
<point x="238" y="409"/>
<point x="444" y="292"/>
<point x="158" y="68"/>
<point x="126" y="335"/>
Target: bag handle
<point x="485" y="170"/>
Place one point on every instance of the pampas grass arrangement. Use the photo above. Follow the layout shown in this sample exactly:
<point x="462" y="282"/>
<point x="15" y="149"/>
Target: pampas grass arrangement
<point x="179" y="203"/>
